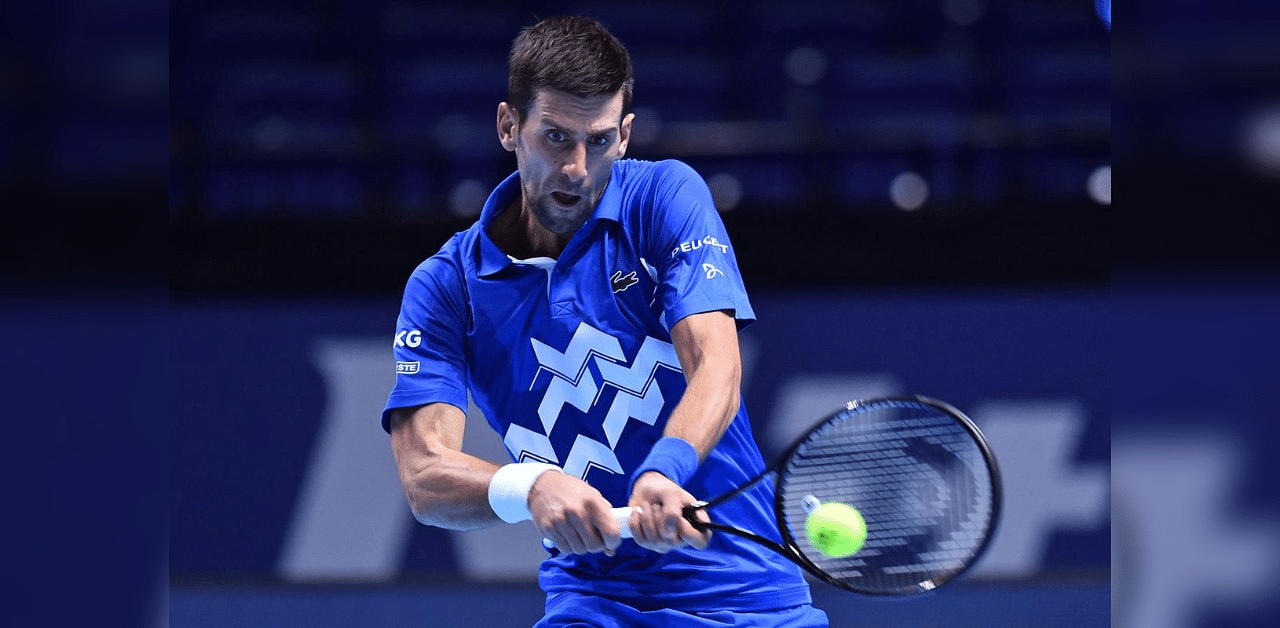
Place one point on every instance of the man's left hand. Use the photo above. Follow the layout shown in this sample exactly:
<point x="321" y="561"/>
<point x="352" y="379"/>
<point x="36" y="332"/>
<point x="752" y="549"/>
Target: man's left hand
<point x="657" y="520"/>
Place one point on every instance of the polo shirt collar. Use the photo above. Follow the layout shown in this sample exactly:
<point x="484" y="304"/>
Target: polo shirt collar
<point x="492" y="259"/>
<point x="610" y="205"/>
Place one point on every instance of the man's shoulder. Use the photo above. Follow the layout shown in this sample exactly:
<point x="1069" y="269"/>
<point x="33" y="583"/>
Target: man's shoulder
<point x="647" y="187"/>
<point x="640" y="172"/>
<point x="657" y="192"/>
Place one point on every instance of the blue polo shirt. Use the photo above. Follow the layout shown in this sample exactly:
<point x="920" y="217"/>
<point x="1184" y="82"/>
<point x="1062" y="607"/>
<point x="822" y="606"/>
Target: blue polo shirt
<point x="571" y="362"/>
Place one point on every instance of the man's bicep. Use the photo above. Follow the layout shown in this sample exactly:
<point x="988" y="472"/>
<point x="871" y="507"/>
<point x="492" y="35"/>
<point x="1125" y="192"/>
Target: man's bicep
<point x="706" y="339"/>
<point x="427" y="428"/>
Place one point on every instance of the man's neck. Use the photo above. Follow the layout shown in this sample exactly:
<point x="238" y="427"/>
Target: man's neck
<point x="519" y="234"/>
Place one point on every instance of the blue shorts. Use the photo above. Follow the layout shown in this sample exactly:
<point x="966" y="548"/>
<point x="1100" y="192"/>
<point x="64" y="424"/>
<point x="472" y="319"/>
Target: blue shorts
<point x="570" y="610"/>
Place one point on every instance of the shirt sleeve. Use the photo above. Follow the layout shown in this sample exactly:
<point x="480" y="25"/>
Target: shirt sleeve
<point x="429" y="345"/>
<point x="695" y="262"/>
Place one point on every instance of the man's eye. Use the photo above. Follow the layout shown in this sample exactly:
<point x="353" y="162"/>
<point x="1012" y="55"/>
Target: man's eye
<point x="599" y="140"/>
<point x="555" y="136"/>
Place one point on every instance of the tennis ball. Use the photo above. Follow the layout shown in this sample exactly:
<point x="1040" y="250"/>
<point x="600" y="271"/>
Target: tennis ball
<point x="836" y="529"/>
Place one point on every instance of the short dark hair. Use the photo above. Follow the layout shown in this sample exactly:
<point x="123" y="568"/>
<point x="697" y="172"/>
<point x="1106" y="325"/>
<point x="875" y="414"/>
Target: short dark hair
<point x="573" y="54"/>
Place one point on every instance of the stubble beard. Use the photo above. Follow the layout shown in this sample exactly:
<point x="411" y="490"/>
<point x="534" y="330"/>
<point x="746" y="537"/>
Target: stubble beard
<point x="556" y="219"/>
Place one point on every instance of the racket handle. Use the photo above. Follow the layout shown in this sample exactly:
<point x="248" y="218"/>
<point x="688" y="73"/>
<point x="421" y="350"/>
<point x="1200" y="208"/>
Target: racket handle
<point x="623" y="515"/>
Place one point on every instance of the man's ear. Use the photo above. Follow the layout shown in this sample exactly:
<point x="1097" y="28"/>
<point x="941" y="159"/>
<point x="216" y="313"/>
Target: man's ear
<point x="508" y="126"/>
<point x="624" y="133"/>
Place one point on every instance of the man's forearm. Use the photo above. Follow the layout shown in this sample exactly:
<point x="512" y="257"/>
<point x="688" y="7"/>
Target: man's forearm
<point x="707" y="345"/>
<point x="445" y="487"/>
<point x="450" y="490"/>
<point x="707" y="408"/>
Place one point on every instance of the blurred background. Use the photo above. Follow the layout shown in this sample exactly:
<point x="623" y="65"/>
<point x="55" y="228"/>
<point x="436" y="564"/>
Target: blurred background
<point x="326" y="146"/>
<point x="919" y="195"/>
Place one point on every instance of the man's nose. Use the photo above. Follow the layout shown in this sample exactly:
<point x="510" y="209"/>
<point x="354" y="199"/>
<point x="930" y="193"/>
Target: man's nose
<point x="575" y="165"/>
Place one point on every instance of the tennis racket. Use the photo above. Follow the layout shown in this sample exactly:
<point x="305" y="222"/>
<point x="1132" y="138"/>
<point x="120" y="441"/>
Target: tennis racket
<point x="918" y="470"/>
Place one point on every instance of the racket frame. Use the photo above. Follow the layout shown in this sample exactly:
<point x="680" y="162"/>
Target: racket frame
<point x="789" y="548"/>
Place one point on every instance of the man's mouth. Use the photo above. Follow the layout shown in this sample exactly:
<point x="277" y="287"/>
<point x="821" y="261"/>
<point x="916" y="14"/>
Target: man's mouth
<point x="565" y="200"/>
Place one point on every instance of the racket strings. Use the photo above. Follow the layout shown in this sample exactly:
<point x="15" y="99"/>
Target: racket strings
<point x="920" y="481"/>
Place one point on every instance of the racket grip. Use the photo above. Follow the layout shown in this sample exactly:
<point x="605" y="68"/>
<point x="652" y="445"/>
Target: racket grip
<point x="623" y="515"/>
<point x="690" y="513"/>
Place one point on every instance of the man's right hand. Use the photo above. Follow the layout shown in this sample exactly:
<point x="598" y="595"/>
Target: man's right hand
<point x="573" y="515"/>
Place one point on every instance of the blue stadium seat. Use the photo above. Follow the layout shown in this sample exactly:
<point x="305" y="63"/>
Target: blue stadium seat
<point x="449" y="76"/>
<point x="1055" y="174"/>
<point x="863" y="181"/>
<point x="1060" y="88"/>
<point x="987" y="173"/>
<point x="177" y="187"/>
<point x="304" y="83"/>
<point x="232" y="191"/>
<point x="446" y="104"/>
<point x="1046" y="24"/>
<point x="662" y="26"/>
<point x="905" y="102"/>
<point x="256" y="34"/>
<point x="231" y="36"/>
<point x="488" y="168"/>
<point x="394" y="31"/>
<point x="683" y="86"/>
<point x="865" y="84"/>
<point x="771" y="30"/>
<point x="765" y="180"/>
<point x="836" y="26"/>
<point x="292" y="97"/>
<point x="300" y="190"/>
<point x="90" y="148"/>
<point x="285" y="108"/>
<point x="413" y="192"/>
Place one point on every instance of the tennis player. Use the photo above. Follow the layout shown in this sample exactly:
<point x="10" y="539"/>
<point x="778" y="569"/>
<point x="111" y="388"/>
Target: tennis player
<point x="592" y="312"/>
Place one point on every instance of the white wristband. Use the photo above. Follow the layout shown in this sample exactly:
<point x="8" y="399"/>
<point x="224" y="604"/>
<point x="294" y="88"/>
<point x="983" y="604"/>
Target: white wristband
<point x="509" y="489"/>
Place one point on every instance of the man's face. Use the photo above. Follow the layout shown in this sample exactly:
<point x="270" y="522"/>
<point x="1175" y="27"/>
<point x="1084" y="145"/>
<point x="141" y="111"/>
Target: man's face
<point x="565" y="150"/>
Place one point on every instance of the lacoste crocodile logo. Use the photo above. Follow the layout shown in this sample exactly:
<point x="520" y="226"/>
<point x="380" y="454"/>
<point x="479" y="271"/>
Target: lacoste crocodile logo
<point x="621" y="282"/>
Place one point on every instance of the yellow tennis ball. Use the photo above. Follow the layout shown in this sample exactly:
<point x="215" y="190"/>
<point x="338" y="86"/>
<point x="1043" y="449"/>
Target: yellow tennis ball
<point x="836" y="529"/>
